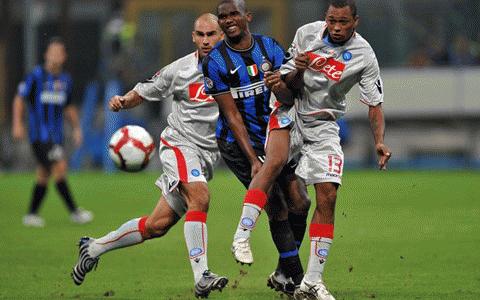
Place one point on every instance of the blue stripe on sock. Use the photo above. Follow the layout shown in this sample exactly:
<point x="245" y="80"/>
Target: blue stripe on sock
<point x="289" y="253"/>
<point x="298" y="243"/>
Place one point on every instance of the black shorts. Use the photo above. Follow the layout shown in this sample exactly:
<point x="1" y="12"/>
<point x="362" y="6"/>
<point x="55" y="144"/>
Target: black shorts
<point x="47" y="153"/>
<point x="239" y="164"/>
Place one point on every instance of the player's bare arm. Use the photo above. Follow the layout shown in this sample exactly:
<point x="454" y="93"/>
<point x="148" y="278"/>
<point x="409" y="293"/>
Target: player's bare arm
<point x="227" y="105"/>
<point x="294" y="79"/>
<point x="274" y="82"/>
<point x="71" y="113"/>
<point x="129" y="100"/>
<point x="377" y="123"/>
<point x="18" y="129"/>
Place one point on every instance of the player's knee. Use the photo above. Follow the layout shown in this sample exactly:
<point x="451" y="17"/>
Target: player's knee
<point x="301" y="204"/>
<point x="198" y="198"/>
<point x="156" y="228"/>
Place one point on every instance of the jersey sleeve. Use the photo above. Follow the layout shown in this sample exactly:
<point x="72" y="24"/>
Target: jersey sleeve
<point x="25" y="87"/>
<point x="278" y="55"/>
<point x="69" y="91"/>
<point x="159" y="87"/>
<point x="213" y="77"/>
<point x="295" y="48"/>
<point x="371" y="84"/>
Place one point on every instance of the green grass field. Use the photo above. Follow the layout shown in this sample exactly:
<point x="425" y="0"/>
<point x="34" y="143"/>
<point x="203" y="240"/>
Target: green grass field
<point x="399" y="235"/>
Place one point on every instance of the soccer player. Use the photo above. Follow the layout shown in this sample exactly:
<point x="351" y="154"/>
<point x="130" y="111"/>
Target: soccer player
<point x="234" y="75"/>
<point x="188" y="153"/>
<point x="47" y="93"/>
<point x="329" y="58"/>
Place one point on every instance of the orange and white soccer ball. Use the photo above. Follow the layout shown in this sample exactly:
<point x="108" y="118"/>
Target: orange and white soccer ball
<point x="131" y="148"/>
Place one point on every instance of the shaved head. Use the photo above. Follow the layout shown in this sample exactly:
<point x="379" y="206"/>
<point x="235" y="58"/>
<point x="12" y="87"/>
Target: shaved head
<point x="207" y="17"/>
<point x="240" y="4"/>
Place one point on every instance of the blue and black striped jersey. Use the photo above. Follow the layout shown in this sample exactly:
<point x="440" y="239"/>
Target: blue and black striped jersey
<point x="240" y="73"/>
<point x="46" y="95"/>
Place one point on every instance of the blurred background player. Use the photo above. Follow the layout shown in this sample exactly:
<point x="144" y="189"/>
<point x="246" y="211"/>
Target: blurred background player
<point x="330" y="58"/>
<point x="234" y="77"/>
<point x="188" y="153"/>
<point x="47" y="94"/>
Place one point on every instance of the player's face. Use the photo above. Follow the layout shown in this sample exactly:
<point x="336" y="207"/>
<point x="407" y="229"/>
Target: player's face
<point x="232" y="21"/>
<point x="56" y="55"/>
<point x="205" y="35"/>
<point x="340" y="23"/>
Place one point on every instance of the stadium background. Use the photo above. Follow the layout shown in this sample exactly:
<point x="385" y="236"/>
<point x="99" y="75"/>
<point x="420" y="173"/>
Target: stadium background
<point x="429" y="54"/>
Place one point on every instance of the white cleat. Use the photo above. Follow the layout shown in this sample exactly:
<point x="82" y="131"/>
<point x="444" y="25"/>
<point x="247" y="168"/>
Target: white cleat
<point x="33" y="220"/>
<point x="242" y="252"/>
<point x="81" y="216"/>
<point x="312" y="291"/>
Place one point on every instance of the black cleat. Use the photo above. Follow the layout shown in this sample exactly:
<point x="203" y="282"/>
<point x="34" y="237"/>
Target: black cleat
<point x="278" y="282"/>
<point x="85" y="263"/>
<point x="209" y="282"/>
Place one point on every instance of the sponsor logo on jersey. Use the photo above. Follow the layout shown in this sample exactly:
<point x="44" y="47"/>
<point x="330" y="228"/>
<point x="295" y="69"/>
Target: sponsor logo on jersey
<point x="347" y="55"/>
<point x="53" y="97"/>
<point x="195" y="252"/>
<point x="247" y="222"/>
<point x="197" y="93"/>
<point x="235" y="70"/>
<point x="332" y="68"/>
<point x="252" y="70"/>
<point x="250" y="90"/>
<point x="209" y="82"/>
<point x="195" y="172"/>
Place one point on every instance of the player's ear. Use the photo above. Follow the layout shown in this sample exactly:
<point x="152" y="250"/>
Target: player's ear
<point x="356" y="21"/>
<point x="249" y="16"/>
<point x="193" y="37"/>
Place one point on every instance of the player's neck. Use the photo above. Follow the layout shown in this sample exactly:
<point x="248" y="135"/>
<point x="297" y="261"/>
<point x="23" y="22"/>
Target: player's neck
<point x="52" y="69"/>
<point x="240" y="43"/>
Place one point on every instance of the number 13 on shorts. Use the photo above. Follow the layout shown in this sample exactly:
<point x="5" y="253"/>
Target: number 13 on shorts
<point x="335" y="164"/>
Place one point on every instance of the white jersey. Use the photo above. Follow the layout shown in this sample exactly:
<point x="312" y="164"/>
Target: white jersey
<point x="194" y="113"/>
<point x="332" y="72"/>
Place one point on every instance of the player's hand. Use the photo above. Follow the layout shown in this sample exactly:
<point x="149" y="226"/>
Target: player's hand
<point x="256" y="166"/>
<point x="18" y="132"/>
<point x="77" y="136"/>
<point x="116" y="103"/>
<point x="301" y="62"/>
<point x="274" y="82"/>
<point x="384" y="154"/>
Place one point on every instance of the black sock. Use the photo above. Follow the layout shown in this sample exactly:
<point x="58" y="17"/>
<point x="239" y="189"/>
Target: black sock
<point x="64" y="191"/>
<point x="38" y="195"/>
<point x="298" y="224"/>
<point x="289" y="261"/>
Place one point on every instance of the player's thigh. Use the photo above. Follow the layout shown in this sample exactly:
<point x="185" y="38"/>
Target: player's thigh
<point x="162" y="218"/>
<point x="296" y="194"/>
<point x="321" y="161"/>
<point x="276" y="207"/>
<point x="59" y="169"/>
<point x="277" y="149"/>
<point x="236" y="161"/>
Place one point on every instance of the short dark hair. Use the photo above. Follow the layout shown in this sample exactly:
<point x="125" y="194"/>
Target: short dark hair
<point x="239" y="3"/>
<point x="55" y="40"/>
<point x="343" y="3"/>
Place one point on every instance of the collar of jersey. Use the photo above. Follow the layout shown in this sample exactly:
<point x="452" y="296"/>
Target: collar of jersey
<point x="243" y="50"/>
<point x="327" y="40"/>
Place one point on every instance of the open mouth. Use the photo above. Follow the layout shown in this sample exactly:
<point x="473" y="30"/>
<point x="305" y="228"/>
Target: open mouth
<point x="232" y="29"/>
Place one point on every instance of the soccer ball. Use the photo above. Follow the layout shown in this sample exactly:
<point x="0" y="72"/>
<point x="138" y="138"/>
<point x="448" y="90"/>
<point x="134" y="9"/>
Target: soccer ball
<point x="131" y="148"/>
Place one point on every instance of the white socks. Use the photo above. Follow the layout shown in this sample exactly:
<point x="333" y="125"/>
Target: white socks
<point x="253" y="204"/>
<point x="195" y="230"/>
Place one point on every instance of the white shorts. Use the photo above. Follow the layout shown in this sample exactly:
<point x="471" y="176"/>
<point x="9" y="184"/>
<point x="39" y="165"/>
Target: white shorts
<point x="322" y="157"/>
<point x="182" y="161"/>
